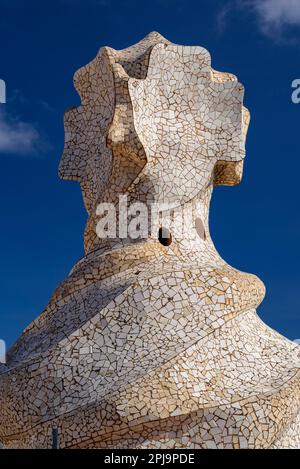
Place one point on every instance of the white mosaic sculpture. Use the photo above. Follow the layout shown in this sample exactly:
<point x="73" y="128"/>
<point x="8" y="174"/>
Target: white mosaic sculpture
<point x="153" y="343"/>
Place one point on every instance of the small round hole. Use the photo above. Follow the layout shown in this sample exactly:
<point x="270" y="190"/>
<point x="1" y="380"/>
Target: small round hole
<point x="200" y="228"/>
<point x="164" y="236"/>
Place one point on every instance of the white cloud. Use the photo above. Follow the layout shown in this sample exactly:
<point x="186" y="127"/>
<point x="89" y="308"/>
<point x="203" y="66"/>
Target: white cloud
<point x="276" y="13"/>
<point x="274" y="17"/>
<point x="18" y="137"/>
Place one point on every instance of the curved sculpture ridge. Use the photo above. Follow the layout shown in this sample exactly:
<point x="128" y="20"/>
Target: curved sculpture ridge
<point x="153" y="340"/>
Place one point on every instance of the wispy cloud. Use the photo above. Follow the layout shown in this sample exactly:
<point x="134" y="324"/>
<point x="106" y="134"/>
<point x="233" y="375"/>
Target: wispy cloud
<point x="45" y="105"/>
<point x="19" y="137"/>
<point x="223" y="17"/>
<point x="275" y="14"/>
<point x="274" y="17"/>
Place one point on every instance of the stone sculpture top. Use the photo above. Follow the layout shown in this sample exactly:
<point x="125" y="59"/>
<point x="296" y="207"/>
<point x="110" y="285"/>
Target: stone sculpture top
<point x="156" y="122"/>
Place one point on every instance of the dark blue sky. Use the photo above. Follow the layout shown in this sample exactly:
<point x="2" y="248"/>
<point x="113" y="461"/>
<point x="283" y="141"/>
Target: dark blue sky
<point x="255" y="226"/>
